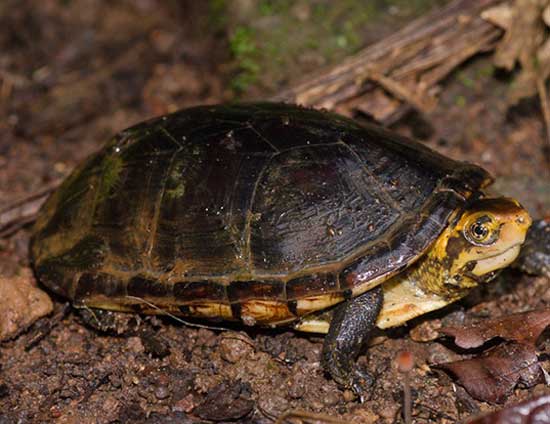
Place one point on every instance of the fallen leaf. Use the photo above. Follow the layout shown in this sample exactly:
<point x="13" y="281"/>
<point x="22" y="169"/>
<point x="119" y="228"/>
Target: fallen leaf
<point x="493" y="376"/>
<point x="533" y="411"/>
<point x="21" y="304"/>
<point x="524" y="327"/>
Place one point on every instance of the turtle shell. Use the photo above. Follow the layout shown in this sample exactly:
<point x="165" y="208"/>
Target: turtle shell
<point x="257" y="212"/>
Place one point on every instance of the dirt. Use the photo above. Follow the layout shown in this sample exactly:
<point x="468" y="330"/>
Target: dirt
<point x="74" y="72"/>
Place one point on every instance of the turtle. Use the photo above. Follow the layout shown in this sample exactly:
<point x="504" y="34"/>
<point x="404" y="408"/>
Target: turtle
<point x="272" y="214"/>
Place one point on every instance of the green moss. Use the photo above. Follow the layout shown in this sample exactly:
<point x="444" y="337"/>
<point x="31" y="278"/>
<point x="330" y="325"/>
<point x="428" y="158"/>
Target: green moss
<point x="244" y="50"/>
<point x="486" y="71"/>
<point x="466" y="80"/>
<point x="218" y="16"/>
<point x="175" y="184"/>
<point x="111" y="167"/>
<point x="271" y="366"/>
<point x="460" y="101"/>
<point x="276" y="41"/>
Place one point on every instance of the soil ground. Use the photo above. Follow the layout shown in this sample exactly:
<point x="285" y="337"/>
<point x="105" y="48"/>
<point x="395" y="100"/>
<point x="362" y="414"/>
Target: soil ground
<point x="72" y="73"/>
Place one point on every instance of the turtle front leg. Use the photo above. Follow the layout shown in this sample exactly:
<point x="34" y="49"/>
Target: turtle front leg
<point x="350" y="328"/>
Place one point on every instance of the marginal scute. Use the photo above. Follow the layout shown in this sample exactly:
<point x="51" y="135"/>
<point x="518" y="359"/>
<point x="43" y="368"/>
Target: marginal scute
<point x="240" y="291"/>
<point x="312" y="285"/>
<point x="199" y="290"/>
<point x="256" y="212"/>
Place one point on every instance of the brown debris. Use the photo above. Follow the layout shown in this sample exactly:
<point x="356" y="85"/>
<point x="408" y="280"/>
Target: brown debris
<point x="21" y="303"/>
<point x="235" y="346"/>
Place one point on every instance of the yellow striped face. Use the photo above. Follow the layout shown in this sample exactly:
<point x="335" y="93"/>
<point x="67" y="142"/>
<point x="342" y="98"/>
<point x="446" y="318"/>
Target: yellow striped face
<point x="486" y="238"/>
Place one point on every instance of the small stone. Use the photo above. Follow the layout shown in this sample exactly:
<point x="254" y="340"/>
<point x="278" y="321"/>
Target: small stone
<point x="331" y="398"/>
<point x="162" y="392"/>
<point x="4" y="390"/>
<point x="296" y="386"/>
<point x="426" y="331"/>
<point x="349" y="396"/>
<point x="227" y="401"/>
<point x="364" y="416"/>
<point x="234" y="347"/>
<point x="21" y="303"/>
<point x="389" y="412"/>
<point x="135" y="345"/>
<point x="110" y="404"/>
<point x="272" y="404"/>
<point x="187" y="404"/>
<point x="55" y="412"/>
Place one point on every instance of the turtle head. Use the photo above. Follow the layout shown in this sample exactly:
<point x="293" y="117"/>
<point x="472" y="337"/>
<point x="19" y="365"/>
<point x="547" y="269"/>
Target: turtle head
<point x="484" y="239"/>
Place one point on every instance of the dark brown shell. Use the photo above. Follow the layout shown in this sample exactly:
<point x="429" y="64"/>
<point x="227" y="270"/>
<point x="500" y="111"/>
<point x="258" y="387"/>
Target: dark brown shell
<point x="262" y="212"/>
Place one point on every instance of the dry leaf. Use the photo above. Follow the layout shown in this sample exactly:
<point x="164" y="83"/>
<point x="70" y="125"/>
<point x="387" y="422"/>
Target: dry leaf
<point x="524" y="327"/>
<point x="533" y="411"/>
<point x="492" y="377"/>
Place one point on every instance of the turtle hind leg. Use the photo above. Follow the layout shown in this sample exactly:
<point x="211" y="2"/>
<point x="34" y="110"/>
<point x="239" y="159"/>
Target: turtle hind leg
<point x="126" y="325"/>
<point x="111" y="322"/>
<point x="350" y="328"/>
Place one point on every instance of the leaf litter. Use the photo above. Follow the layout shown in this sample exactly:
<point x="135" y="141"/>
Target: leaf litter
<point x="533" y="411"/>
<point x="493" y="376"/>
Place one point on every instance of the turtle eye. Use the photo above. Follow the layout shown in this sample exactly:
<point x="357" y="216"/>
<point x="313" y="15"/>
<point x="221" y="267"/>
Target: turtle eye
<point x="479" y="231"/>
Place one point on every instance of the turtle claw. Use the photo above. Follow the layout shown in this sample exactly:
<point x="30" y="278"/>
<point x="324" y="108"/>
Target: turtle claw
<point x="361" y="383"/>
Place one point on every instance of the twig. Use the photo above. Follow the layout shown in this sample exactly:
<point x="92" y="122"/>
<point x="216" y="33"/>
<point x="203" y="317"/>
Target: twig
<point x="309" y="417"/>
<point x="23" y="211"/>
<point x="45" y="326"/>
<point x="407" y="64"/>
<point x="543" y="96"/>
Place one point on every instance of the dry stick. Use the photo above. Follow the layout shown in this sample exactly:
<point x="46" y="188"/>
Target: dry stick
<point x="407" y="64"/>
<point x="543" y="96"/>
<point x="23" y="211"/>
<point x="309" y="417"/>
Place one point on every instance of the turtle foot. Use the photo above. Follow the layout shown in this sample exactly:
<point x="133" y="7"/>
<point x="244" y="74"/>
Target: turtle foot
<point x="361" y="384"/>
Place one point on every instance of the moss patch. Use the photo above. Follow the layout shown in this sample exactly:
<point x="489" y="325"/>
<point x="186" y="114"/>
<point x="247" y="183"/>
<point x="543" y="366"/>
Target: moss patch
<point x="273" y="42"/>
